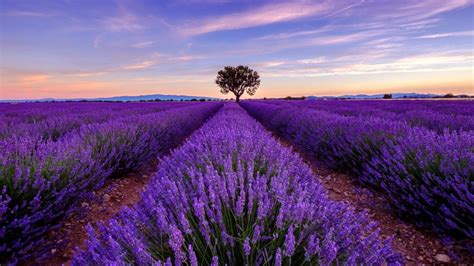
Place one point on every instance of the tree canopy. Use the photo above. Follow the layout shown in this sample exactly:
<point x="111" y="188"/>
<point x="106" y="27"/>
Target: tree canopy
<point x="238" y="80"/>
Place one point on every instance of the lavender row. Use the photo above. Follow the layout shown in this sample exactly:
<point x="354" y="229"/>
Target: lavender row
<point x="428" y="177"/>
<point x="40" y="183"/>
<point x="448" y="107"/>
<point x="232" y="195"/>
<point x="435" y="115"/>
<point x="44" y="121"/>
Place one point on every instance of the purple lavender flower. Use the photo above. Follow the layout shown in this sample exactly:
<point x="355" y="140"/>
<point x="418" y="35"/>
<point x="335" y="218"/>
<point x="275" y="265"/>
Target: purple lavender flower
<point x="278" y="257"/>
<point x="256" y="234"/>
<point x="329" y="249"/>
<point x="247" y="246"/>
<point x="290" y="242"/>
<point x="176" y="242"/>
<point x="192" y="256"/>
<point x="313" y="246"/>
<point x="215" y="261"/>
<point x="285" y="204"/>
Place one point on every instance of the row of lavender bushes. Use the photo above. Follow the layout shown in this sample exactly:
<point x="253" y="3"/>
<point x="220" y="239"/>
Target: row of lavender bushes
<point x="439" y="116"/>
<point x="43" y="181"/>
<point x="428" y="177"/>
<point x="51" y="121"/>
<point x="448" y="107"/>
<point x="232" y="195"/>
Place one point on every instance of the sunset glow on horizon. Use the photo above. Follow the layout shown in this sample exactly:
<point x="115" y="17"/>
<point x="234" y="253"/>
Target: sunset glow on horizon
<point x="79" y="49"/>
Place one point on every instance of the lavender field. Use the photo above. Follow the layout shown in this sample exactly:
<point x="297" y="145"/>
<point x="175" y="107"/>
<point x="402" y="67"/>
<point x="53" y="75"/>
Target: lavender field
<point x="420" y="154"/>
<point x="231" y="186"/>
<point x="55" y="154"/>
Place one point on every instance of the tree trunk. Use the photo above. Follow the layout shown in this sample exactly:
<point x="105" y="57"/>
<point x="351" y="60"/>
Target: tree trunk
<point x="237" y="98"/>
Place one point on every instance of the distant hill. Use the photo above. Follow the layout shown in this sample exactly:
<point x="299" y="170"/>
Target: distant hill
<point x="378" y="96"/>
<point x="151" y="97"/>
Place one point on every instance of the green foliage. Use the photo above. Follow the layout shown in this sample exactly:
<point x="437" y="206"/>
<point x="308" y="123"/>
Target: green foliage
<point x="238" y="80"/>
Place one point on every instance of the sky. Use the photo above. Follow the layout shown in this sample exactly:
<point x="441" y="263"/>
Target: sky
<point x="90" y="48"/>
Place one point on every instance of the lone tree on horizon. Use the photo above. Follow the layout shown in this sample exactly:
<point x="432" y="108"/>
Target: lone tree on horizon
<point x="238" y="80"/>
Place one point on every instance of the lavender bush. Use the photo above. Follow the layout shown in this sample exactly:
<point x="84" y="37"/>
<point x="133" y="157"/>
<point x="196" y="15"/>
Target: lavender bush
<point x="50" y="121"/>
<point x="439" y="116"/>
<point x="232" y="195"/>
<point x="427" y="176"/>
<point x="42" y="181"/>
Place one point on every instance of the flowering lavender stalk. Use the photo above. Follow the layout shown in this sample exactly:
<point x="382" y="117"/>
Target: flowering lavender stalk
<point x="247" y="247"/>
<point x="41" y="181"/>
<point x="233" y="181"/>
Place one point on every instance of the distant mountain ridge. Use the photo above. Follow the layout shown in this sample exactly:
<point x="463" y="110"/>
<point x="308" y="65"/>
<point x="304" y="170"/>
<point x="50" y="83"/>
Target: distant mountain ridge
<point x="150" y="97"/>
<point x="379" y="96"/>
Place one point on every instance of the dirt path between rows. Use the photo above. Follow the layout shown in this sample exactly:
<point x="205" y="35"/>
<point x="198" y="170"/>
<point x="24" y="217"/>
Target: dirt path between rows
<point x="418" y="246"/>
<point x="107" y="201"/>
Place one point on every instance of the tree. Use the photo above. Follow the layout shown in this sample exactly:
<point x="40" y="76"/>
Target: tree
<point x="238" y="80"/>
<point x="387" y="96"/>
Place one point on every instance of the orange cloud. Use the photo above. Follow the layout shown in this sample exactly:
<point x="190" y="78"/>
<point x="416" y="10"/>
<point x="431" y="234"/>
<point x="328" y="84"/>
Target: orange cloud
<point x="33" y="78"/>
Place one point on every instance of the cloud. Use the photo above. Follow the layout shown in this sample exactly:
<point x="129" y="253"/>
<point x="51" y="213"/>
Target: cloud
<point x="345" y="8"/>
<point x="186" y="79"/>
<point x="88" y="74"/>
<point x="448" y="34"/>
<point x="436" y="7"/>
<point x="184" y="58"/>
<point x="359" y="70"/>
<point x="348" y="38"/>
<point x="410" y="14"/>
<point x="394" y="25"/>
<point x="142" y="44"/>
<point x="432" y="60"/>
<point x="322" y="40"/>
<point x="212" y="2"/>
<point x="420" y="24"/>
<point x="316" y="60"/>
<point x="124" y="22"/>
<point x="271" y="64"/>
<point x="414" y="10"/>
<point x="141" y="65"/>
<point x="264" y="15"/>
<point x="416" y="63"/>
<point x="143" y="79"/>
<point x="33" y="78"/>
<point x="27" y="13"/>
<point x="97" y="41"/>
<point x="268" y="46"/>
<point x="149" y="61"/>
<point x="288" y="35"/>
